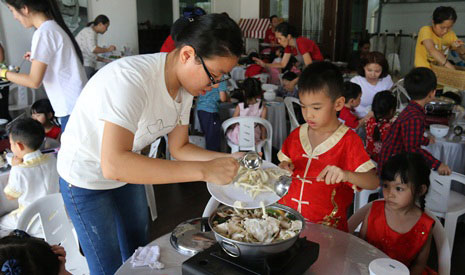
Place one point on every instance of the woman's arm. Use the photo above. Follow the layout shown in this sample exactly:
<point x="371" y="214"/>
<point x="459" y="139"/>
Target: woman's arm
<point x="307" y="59"/>
<point x="437" y="55"/>
<point x="33" y="79"/>
<point x="104" y="50"/>
<point x="280" y="65"/>
<point x="420" y="261"/>
<point x="120" y="163"/>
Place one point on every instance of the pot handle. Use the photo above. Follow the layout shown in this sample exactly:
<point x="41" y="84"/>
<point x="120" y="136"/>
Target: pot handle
<point x="232" y="254"/>
<point x="429" y="108"/>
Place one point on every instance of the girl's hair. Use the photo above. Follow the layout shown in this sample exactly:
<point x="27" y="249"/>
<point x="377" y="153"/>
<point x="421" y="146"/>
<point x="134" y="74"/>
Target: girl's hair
<point x="377" y="58"/>
<point x="412" y="169"/>
<point x="351" y="91"/>
<point x="252" y="88"/>
<point x="28" y="255"/>
<point x="43" y="106"/>
<point x="99" y="19"/>
<point x="51" y="10"/>
<point x="285" y="29"/>
<point x="384" y="104"/>
<point x="442" y="14"/>
<point x="210" y="35"/>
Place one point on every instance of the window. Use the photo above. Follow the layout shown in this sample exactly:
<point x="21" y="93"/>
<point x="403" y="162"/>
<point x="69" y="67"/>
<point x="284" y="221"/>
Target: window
<point x="280" y="8"/>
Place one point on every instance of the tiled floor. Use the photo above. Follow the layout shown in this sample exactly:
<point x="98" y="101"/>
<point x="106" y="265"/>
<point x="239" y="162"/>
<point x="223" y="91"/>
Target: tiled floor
<point x="179" y="202"/>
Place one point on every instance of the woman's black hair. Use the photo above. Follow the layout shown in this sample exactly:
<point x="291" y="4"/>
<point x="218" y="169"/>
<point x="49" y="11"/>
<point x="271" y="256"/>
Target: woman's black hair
<point x="211" y="35"/>
<point x="99" y="19"/>
<point x="351" y="90"/>
<point x="377" y="58"/>
<point x="412" y="169"/>
<point x="28" y="255"/>
<point x="285" y="29"/>
<point x="273" y="16"/>
<point x="189" y="14"/>
<point x="384" y="104"/>
<point x="252" y="88"/>
<point x="50" y="9"/>
<point x="363" y="42"/>
<point x="442" y="14"/>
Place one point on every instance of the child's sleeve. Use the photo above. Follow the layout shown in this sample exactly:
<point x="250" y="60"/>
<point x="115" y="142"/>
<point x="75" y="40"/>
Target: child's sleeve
<point x="356" y="158"/>
<point x="284" y="154"/>
<point x="350" y="119"/>
<point x="15" y="187"/>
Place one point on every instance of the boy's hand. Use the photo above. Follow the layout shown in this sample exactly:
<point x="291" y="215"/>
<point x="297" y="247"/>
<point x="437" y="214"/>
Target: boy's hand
<point x="286" y="165"/>
<point x="444" y="170"/>
<point x="332" y="174"/>
<point x="432" y="140"/>
<point x="16" y="161"/>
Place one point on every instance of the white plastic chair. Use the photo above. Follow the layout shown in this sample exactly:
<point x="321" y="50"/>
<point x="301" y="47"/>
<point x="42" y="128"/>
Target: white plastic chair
<point x="446" y="203"/>
<point x="361" y="198"/>
<point x="289" y="101"/>
<point x="401" y="95"/>
<point x="57" y="228"/>
<point x="247" y="135"/>
<point x="439" y="236"/>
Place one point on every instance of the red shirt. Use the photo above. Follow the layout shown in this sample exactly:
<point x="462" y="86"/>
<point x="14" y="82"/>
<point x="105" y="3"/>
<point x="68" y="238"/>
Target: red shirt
<point x="374" y="147"/>
<point x="54" y="132"/>
<point x="305" y="45"/>
<point x="168" y="45"/>
<point x="406" y="135"/>
<point x="253" y="70"/>
<point x="401" y="247"/>
<point x="317" y="201"/>
<point x="270" y="37"/>
<point x="348" y="118"/>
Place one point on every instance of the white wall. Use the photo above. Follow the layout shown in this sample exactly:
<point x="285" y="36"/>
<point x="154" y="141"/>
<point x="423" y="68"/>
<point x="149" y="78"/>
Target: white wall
<point x="250" y="8"/>
<point x="232" y="7"/>
<point x="123" y="22"/>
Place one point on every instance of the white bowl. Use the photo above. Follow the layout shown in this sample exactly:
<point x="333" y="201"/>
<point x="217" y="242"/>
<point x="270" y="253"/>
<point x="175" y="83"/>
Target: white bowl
<point x="439" y="130"/>
<point x="386" y="266"/>
<point x="269" y="87"/>
<point x="269" y="95"/>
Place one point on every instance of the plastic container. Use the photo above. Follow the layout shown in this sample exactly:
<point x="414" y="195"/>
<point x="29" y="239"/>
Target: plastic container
<point x="387" y="266"/>
<point x="439" y="130"/>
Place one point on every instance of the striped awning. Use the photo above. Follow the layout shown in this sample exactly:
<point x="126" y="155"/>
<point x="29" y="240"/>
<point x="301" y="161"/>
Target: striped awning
<point x="254" y="27"/>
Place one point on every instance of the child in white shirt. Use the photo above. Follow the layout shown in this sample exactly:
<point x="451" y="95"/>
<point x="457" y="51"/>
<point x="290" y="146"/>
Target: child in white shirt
<point x="32" y="175"/>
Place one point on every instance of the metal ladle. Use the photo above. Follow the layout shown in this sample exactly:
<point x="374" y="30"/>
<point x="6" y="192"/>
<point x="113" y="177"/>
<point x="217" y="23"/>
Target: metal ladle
<point x="251" y="160"/>
<point x="281" y="186"/>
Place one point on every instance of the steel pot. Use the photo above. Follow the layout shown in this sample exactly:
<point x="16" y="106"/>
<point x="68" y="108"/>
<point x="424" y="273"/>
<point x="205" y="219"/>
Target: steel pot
<point x="439" y="106"/>
<point x="255" y="250"/>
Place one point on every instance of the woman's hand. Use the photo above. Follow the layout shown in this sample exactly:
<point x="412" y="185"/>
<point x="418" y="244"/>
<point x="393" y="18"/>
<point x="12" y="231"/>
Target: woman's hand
<point x="61" y="253"/>
<point x="332" y="174"/>
<point x="111" y="48"/>
<point x="259" y="61"/>
<point x="457" y="43"/>
<point x="286" y="165"/>
<point x="220" y="171"/>
<point x="27" y="56"/>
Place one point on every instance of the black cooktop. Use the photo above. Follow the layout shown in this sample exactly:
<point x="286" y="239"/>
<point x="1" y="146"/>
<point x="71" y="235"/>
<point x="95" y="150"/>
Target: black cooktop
<point x="295" y="260"/>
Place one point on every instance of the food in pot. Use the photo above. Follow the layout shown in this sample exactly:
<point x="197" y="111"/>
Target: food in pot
<point x="257" y="181"/>
<point x="253" y="226"/>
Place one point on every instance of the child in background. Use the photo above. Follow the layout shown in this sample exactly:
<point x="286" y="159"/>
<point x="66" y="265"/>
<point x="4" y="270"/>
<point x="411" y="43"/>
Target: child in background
<point x="352" y="94"/>
<point x="22" y="254"/>
<point x="207" y="109"/>
<point x="377" y="128"/>
<point x="406" y="134"/>
<point x="252" y="106"/>
<point x="327" y="159"/>
<point x="42" y="111"/>
<point x="289" y="87"/>
<point x="33" y="174"/>
<point x="398" y="225"/>
<point x="253" y="69"/>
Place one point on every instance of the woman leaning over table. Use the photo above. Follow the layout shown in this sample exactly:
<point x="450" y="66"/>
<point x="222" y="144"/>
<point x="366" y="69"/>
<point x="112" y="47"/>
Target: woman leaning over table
<point x="434" y="42"/>
<point x="125" y="107"/>
<point x="55" y="56"/>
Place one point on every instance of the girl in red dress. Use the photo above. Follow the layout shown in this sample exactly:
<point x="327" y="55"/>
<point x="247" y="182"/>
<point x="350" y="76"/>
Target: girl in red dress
<point x="397" y="225"/>
<point x="377" y="127"/>
<point x="42" y="111"/>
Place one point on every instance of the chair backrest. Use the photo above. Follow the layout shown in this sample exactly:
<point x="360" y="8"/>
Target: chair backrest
<point x="438" y="193"/>
<point x="247" y="130"/>
<point x="401" y="95"/>
<point x="57" y="229"/>
<point x="442" y="245"/>
<point x="289" y="101"/>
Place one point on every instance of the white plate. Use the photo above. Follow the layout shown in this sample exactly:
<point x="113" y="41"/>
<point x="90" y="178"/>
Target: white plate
<point x="228" y="194"/>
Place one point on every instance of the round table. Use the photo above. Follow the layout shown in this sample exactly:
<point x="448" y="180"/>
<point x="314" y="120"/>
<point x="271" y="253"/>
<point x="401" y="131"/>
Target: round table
<point x="451" y="151"/>
<point x="340" y="253"/>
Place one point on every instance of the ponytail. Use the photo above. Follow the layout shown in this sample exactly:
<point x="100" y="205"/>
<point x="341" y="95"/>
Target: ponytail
<point x="99" y="19"/>
<point x="376" y="133"/>
<point x="50" y="9"/>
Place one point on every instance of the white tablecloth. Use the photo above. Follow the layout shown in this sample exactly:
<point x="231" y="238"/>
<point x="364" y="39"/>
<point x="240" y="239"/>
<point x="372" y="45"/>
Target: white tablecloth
<point x="340" y="253"/>
<point x="451" y="151"/>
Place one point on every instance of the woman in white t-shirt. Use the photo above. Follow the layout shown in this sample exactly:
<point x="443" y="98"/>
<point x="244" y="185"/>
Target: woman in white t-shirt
<point x="87" y="41"/>
<point x="373" y="77"/>
<point x="55" y="56"/>
<point x="126" y="106"/>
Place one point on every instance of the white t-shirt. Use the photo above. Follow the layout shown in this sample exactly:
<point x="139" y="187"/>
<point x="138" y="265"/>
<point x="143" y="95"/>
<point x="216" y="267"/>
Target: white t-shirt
<point x="87" y="41"/>
<point x="130" y="92"/>
<point x="65" y="76"/>
<point x="369" y="91"/>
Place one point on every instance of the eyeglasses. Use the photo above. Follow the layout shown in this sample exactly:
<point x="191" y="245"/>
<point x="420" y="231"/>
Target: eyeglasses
<point x="213" y="81"/>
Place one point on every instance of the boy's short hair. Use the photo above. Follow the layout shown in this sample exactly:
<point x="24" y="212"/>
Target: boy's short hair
<point x="289" y="76"/>
<point x="27" y="131"/>
<point x="351" y="90"/>
<point x="419" y="82"/>
<point x="322" y="77"/>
